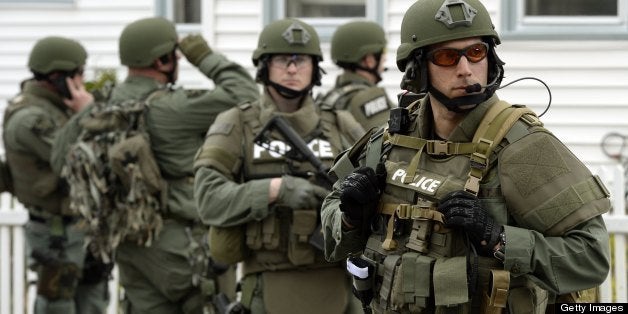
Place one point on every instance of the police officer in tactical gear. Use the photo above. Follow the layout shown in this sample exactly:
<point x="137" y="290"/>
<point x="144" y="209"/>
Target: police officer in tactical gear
<point x="261" y="198"/>
<point x="31" y="122"/>
<point x="358" y="47"/>
<point x="465" y="203"/>
<point x="169" y="276"/>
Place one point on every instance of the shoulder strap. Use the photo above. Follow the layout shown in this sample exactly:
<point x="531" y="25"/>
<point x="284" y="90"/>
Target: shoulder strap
<point x="250" y="116"/>
<point x="330" y="100"/>
<point x="495" y="124"/>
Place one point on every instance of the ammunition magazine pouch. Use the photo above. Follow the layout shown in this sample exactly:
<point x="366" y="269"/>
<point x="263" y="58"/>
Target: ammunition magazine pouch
<point x="58" y="280"/>
<point x="300" y="252"/>
<point x="292" y="242"/>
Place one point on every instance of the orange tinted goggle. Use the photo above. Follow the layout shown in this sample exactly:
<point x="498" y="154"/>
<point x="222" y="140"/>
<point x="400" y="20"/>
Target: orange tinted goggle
<point x="447" y="57"/>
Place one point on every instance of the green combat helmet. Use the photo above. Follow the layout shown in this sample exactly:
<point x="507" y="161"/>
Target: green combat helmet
<point x="145" y="40"/>
<point x="429" y="22"/>
<point x="56" y="54"/>
<point x="354" y="40"/>
<point x="287" y="36"/>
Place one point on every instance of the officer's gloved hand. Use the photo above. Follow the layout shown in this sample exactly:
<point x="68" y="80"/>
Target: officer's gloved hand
<point x="298" y="193"/>
<point x="463" y="210"/>
<point x="194" y="48"/>
<point x="359" y="194"/>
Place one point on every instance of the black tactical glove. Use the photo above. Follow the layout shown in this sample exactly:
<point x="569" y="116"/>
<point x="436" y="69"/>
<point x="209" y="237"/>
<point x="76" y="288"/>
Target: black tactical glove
<point x="194" y="48"/>
<point x="359" y="194"/>
<point x="463" y="210"/>
<point x="298" y="193"/>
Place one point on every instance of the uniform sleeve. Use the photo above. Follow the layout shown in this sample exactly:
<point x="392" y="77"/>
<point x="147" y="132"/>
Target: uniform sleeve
<point x="65" y="137"/>
<point x="233" y="82"/>
<point x="31" y="131"/>
<point x="339" y="243"/>
<point x="192" y="112"/>
<point x="350" y="129"/>
<point x="558" y="236"/>
<point x="578" y="260"/>
<point x="222" y="202"/>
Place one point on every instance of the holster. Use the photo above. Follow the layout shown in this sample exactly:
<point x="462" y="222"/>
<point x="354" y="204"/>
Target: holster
<point x="57" y="279"/>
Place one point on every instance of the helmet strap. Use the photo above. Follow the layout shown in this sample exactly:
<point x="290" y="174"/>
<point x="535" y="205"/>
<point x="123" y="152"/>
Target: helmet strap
<point x="289" y="93"/>
<point x="165" y="59"/>
<point x="454" y="104"/>
<point x="378" y="77"/>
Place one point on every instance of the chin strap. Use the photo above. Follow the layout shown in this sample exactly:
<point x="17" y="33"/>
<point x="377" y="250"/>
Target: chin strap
<point x="289" y="93"/>
<point x="454" y="104"/>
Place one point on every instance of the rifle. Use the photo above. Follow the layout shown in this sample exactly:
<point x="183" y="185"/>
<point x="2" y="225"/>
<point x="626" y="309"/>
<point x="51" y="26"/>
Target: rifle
<point x="223" y="305"/>
<point x="299" y="146"/>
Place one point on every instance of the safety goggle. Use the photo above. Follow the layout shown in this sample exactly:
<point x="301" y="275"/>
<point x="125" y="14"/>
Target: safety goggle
<point x="284" y="61"/>
<point x="447" y="57"/>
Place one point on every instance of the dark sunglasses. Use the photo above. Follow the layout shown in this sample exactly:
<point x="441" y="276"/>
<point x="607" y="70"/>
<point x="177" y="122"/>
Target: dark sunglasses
<point x="447" y="57"/>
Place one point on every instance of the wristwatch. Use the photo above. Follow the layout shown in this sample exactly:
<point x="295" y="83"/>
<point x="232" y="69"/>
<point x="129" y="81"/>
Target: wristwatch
<point x="500" y="253"/>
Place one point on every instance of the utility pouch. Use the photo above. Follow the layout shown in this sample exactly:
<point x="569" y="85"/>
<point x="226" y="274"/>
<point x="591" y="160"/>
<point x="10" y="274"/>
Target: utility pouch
<point x="420" y="235"/>
<point x="300" y="252"/>
<point x="527" y="298"/>
<point x="58" y="280"/>
<point x="136" y="150"/>
<point x="412" y="283"/>
<point x="263" y="233"/>
<point x="270" y="232"/>
<point x="495" y="297"/>
<point x="226" y="245"/>
<point x="254" y="235"/>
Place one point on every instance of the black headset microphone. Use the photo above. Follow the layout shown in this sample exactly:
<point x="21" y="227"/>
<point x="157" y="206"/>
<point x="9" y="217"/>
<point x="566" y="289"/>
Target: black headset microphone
<point x="474" y="88"/>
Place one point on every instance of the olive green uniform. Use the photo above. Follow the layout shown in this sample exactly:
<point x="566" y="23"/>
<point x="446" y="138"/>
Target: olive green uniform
<point x="31" y="123"/>
<point x="283" y="273"/>
<point x="547" y="200"/>
<point x="368" y="103"/>
<point x="159" y="278"/>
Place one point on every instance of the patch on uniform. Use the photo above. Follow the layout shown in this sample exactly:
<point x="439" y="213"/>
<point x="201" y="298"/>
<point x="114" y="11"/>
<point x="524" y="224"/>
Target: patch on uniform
<point x="536" y="165"/>
<point x="375" y="106"/>
<point x="43" y="126"/>
<point x="193" y="93"/>
<point x="220" y="128"/>
<point x="18" y="99"/>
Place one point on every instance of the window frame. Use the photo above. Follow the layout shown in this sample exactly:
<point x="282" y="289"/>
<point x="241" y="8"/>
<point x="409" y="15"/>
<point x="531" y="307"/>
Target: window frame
<point x="164" y="8"/>
<point x="325" y="26"/>
<point x="515" y="25"/>
<point x="38" y="3"/>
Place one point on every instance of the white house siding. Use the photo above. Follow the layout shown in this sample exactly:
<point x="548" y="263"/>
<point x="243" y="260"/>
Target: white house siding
<point x="588" y="79"/>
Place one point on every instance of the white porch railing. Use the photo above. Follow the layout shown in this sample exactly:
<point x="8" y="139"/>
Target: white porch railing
<point x="17" y="282"/>
<point x="17" y="291"/>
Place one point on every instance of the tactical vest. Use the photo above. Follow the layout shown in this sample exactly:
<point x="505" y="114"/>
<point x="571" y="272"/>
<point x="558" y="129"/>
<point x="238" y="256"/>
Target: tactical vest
<point x="409" y="239"/>
<point x="368" y="104"/>
<point x="280" y="241"/>
<point x="35" y="184"/>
